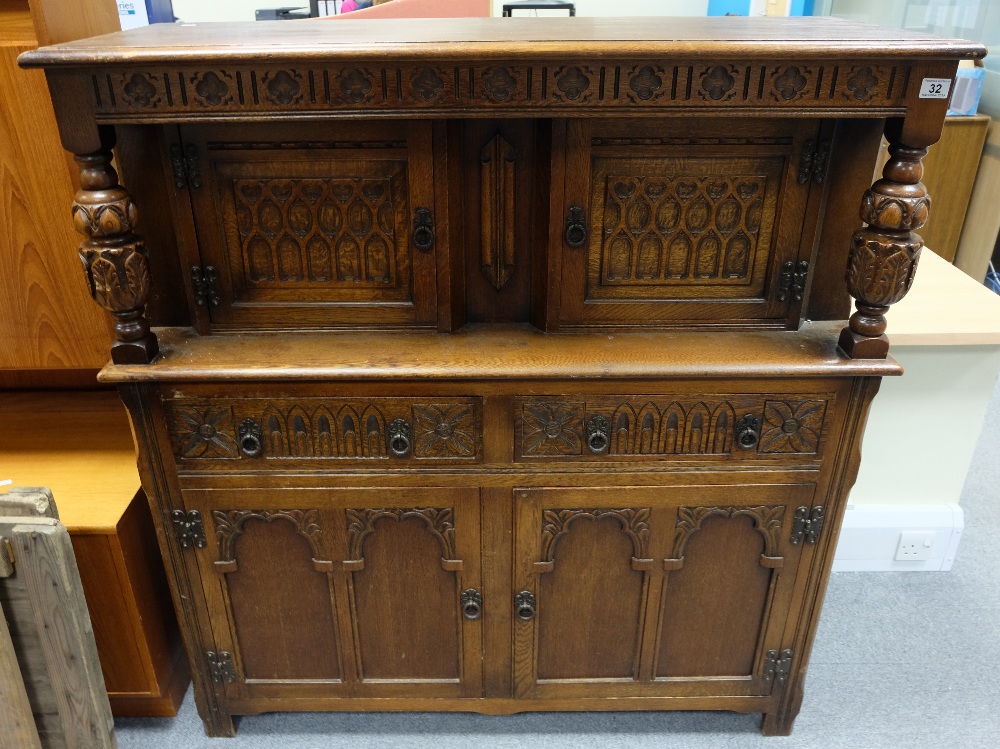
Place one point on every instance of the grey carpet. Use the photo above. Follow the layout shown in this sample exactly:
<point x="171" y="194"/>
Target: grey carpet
<point x="902" y="660"/>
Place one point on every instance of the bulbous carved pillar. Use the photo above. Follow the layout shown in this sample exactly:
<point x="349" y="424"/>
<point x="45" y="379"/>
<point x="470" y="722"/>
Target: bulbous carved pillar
<point x="884" y="254"/>
<point x="114" y="258"/>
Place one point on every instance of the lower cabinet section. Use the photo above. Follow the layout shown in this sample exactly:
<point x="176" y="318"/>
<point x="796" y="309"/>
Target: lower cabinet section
<point x="337" y="593"/>
<point x="632" y="591"/>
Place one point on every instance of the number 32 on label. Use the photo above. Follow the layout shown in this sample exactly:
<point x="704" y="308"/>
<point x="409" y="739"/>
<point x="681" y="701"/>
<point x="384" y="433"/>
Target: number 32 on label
<point x="935" y="88"/>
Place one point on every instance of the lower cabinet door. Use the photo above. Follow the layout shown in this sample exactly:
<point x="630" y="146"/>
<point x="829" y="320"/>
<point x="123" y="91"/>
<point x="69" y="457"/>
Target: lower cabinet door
<point x="656" y="591"/>
<point x="320" y="593"/>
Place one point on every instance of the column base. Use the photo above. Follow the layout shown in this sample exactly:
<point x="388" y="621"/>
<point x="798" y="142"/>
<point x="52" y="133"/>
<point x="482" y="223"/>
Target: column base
<point x="863" y="347"/>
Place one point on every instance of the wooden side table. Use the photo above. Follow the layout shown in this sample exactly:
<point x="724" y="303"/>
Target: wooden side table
<point x="79" y="445"/>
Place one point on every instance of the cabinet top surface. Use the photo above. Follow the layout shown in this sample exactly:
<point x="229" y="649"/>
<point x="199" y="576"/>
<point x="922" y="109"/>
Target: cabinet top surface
<point x="485" y="38"/>
<point x="499" y="353"/>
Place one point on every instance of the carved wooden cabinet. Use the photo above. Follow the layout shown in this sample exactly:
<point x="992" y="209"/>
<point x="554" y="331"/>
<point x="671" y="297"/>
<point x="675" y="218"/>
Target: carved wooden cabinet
<point x="513" y="373"/>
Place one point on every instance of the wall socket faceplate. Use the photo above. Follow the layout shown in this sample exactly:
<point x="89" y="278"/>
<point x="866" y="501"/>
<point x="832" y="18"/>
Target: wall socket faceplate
<point x="915" y="546"/>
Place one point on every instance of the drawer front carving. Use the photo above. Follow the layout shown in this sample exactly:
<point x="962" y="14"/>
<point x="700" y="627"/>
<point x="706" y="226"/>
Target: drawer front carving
<point x="357" y="431"/>
<point x="654" y="427"/>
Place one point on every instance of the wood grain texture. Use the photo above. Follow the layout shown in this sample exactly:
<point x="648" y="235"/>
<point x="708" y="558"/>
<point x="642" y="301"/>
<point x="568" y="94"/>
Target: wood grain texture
<point x="49" y="322"/>
<point x="432" y="38"/>
<point x="45" y="560"/>
<point x="16" y="722"/>
<point x="517" y="353"/>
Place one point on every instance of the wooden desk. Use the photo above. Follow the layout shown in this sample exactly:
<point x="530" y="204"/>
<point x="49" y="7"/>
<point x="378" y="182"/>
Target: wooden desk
<point x="80" y="446"/>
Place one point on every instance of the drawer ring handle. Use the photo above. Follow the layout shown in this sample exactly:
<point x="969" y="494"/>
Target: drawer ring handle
<point x="251" y="444"/>
<point x="472" y="604"/>
<point x="598" y="429"/>
<point x="524" y="605"/>
<point x="576" y="227"/>
<point x="748" y="432"/>
<point x="423" y="230"/>
<point x="398" y="438"/>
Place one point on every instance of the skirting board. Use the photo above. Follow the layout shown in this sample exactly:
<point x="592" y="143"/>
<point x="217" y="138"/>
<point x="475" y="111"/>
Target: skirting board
<point x="870" y="537"/>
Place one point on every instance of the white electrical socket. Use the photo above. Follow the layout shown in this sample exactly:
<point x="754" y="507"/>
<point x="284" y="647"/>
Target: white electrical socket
<point x="915" y="546"/>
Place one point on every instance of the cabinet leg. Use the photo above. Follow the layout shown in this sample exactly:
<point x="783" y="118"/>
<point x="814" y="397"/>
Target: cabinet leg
<point x="219" y="726"/>
<point x="779" y="721"/>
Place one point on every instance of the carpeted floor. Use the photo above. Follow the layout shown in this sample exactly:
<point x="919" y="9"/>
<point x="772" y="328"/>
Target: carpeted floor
<point x="902" y="660"/>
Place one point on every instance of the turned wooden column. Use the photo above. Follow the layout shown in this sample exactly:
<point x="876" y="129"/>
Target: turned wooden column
<point x="884" y="253"/>
<point x="114" y="257"/>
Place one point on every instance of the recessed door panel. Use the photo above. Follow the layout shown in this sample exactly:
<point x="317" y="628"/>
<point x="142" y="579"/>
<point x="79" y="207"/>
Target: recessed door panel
<point x="653" y="591"/>
<point x="330" y="593"/>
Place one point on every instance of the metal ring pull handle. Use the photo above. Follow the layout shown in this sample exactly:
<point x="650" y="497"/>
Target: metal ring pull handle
<point x="251" y="444"/>
<point x="423" y="230"/>
<point x="524" y="605"/>
<point x="398" y="438"/>
<point x="748" y="432"/>
<point x="598" y="429"/>
<point x="472" y="604"/>
<point x="576" y="227"/>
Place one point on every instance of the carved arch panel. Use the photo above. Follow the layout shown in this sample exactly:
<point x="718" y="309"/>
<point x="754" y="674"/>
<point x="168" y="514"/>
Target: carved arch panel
<point x="274" y="579"/>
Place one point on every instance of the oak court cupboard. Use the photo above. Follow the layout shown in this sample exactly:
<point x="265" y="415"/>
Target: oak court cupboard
<point x="500" y="364"/>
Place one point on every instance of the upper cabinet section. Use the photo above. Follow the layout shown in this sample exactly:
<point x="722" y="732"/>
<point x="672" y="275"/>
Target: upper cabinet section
<point x="302" y="226"/>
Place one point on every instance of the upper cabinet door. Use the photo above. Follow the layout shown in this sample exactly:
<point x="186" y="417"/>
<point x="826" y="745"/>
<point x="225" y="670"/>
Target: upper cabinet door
<point x="685" y="223"/>
<point x="326" y="226"/>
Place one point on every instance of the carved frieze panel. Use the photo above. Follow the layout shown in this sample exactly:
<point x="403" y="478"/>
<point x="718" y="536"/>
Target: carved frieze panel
<point x="686" y="228"/>
<point x="446" y="429"/>
<point x="637" y="427"/>
<point x="564" y="85"/>
<point x="335" y="232"/>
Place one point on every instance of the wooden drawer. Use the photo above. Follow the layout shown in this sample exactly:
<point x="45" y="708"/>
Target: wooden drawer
<point x="241" y="433"/>
<point x="329" y="227"/>
<point x="686" y="222"/>
<point x="666" y="427"/>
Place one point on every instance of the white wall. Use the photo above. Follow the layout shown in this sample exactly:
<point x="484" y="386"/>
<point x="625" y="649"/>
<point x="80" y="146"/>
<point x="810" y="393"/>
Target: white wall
<point x="622" y="8"/>
<point x="923" y="426"/>
<point x="199" y="11"/>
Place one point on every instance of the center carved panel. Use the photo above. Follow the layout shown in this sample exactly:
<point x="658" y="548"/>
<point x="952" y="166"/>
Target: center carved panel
<point x="335" y="232"/>
<point x="683" y="229"/>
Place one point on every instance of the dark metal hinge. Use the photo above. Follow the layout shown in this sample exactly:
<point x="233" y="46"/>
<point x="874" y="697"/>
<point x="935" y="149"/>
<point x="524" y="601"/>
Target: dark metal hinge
<point x="205" y="282"/>
<point x="776" y="666"/>
<point x="807" y="524"/>
<point x="220" y="665"/>
<point x="814" y="161"/>
<point x="189" y="529"/>
<point x="792" y="281"/>
<point x="184" y="164"/>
